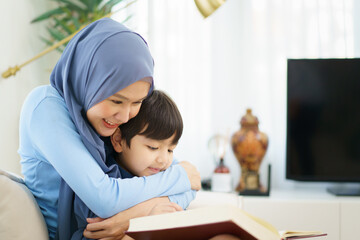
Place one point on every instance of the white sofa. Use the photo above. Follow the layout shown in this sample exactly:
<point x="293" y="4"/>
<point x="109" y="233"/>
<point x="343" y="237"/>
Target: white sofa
<point x="20" y="216"/>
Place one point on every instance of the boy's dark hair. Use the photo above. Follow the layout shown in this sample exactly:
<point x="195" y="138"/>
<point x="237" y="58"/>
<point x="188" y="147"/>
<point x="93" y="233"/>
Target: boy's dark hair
<point x="159" y="116"/>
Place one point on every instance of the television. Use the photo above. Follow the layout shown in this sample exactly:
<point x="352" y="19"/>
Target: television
<point x="323" y="121"/>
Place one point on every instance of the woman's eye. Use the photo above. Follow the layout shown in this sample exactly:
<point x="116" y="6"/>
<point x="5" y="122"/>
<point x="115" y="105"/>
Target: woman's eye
<point x="137" y="103"/>
<point x="152" y="148"/>
<point x="116" y="101"/>
<point x="170" y="151"/>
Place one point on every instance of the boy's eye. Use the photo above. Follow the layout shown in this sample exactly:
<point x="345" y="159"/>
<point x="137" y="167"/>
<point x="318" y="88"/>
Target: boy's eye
<point x="116" y="101"/>
<point x="170" y="151"/>
<point x="152" y="148"/>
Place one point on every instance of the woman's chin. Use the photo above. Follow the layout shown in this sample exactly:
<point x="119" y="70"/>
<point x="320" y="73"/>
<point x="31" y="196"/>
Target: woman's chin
<point x="106" y="132"/>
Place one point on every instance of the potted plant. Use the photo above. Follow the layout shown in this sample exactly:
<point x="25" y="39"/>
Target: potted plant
<point x="71" y="15"/>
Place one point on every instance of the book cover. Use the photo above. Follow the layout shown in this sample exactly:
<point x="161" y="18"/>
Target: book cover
<point x="207" y="222"/>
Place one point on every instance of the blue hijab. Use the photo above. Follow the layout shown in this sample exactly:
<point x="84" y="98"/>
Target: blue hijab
<point x="99" y="61"/>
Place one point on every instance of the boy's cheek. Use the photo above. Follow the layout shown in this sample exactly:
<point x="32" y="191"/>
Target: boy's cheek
<point x="169" y="164"/>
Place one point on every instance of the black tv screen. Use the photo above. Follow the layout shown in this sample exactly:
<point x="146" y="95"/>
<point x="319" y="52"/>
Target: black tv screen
<point x="323" y="120"/>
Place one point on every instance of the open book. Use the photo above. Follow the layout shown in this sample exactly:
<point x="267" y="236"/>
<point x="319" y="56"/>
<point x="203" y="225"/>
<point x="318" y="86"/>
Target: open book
<point x="207" y="222"/>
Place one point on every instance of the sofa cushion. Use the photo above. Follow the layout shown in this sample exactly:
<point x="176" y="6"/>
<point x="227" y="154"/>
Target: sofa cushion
<point x="20" y="216"/>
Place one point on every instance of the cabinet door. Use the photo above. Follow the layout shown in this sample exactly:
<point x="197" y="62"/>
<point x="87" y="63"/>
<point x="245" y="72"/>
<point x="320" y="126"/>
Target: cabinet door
<point x="298" y="215"/>
<point x="207" y="198"/>
<point x="349" y="221"/>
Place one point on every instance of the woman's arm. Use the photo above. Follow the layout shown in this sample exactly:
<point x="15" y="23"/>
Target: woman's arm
<point x="56" y="140"/>
<point x="115" y="227"/>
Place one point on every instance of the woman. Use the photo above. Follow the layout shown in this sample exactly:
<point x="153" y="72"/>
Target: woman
<point x="99" y="83"/>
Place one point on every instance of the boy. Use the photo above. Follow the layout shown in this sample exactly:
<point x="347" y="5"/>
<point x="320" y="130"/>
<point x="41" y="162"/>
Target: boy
<point x="146" y="143"/>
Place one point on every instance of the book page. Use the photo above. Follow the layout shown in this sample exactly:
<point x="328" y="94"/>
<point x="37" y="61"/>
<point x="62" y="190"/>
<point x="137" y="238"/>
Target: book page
<point x="295" y="233"/>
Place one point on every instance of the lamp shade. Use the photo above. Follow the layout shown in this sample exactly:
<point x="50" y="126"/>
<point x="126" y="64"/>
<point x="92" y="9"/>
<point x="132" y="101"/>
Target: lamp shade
<point x="207" y="7"/>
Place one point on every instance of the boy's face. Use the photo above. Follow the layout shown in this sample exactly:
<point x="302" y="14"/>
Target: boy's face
<point x="146" y="156"/>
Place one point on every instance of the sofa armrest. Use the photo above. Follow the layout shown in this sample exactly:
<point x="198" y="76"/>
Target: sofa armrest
<point x="20" y="216"/>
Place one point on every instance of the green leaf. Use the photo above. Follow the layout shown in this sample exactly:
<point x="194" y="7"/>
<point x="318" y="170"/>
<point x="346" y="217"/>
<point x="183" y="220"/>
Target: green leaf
<point x="108" y="6"/>
<point x="70" y="15"/>
<point x="63" y="25"/>
<point x="85" y="2"/>
<point x="126" y="19"/>
<point x="56" y="34"/>
<point x="50" y="43"/>
<point x="71" y="5"/>
<point x="76" y="23"/>
<point x="90" y="5"/>
<point x="48" y="15"/>
<point x="69" y="22"/>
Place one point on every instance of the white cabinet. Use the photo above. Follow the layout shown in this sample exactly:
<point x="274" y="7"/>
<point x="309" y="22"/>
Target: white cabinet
<point x="350" y="219"/>
<point x="298" y="209"/>
<point x="339" y="217"/>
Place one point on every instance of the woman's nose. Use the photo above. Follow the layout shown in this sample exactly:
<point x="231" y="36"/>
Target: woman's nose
<point x="123" y="115"/>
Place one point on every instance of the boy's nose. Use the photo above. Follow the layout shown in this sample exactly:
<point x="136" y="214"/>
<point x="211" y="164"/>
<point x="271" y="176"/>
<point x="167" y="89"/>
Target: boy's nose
<point x="162" y="159"/>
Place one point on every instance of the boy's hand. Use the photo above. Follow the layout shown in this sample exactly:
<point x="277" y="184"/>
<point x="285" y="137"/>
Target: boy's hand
<point x="162" y="208"/>
<point x="193" y="175"/>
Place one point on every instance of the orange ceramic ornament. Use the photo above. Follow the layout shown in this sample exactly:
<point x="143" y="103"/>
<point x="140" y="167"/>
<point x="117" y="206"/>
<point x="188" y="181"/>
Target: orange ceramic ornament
<point x="249" y="146"/>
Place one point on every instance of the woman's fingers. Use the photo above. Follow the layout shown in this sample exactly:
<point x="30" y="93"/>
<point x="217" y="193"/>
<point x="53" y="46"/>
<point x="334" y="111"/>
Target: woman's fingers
<point x="94" y="235"/>
<point x="96" y="226"/>
<point x="193" y="175"/>
<point x="177" y="207"/>
<point x="225" y="237"/>
<point x="162" y="208"/>
<point x="104" y="235"/>
<point x="94" y="220"/>
<point x="108" y="228"/>
<point x="126" y="237"/>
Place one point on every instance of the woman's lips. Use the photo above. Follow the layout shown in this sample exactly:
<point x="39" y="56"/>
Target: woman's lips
<point x="110" y="125"/>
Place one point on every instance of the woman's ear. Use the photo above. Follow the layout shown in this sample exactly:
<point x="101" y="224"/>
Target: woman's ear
<point x="116" y="141"/>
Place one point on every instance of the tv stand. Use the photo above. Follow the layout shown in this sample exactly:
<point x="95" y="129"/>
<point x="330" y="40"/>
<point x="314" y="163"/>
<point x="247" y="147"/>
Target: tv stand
<point x="344" y="191"/>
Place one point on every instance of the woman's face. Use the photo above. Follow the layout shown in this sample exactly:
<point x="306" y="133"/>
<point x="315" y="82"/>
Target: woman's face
<point x="119" y="108"/>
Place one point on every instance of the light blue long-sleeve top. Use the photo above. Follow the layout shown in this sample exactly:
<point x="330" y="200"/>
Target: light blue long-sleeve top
<point x="51" y="148"/>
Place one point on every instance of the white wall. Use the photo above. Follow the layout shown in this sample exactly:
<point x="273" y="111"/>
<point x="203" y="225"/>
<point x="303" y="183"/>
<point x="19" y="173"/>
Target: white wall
<point x="19" y="42"/>
<point x="241" y="83"/>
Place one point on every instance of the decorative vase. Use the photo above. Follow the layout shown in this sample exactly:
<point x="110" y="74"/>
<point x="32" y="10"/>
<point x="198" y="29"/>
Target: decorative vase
<point x="249" y="146"/>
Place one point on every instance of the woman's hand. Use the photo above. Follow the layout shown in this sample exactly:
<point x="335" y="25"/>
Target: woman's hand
<point x="193" y="175"/>
<point x="107" y="229"/>
<point x="114" y="228"/>
<point x="162" y="208"/>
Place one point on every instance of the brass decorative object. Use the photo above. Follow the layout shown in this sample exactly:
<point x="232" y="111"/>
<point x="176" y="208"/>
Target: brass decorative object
<point x="249" y="146"/>
<point x="207" y="7"/>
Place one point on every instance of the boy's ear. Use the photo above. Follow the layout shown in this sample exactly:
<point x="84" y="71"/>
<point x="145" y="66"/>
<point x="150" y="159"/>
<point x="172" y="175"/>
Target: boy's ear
<point x="116" y="140"/>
